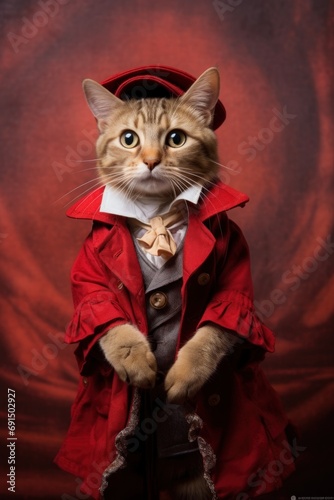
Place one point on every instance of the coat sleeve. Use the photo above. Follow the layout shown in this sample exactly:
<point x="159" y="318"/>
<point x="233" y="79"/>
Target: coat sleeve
<point x="231" y="306"/>
<point x="96" y="306"/>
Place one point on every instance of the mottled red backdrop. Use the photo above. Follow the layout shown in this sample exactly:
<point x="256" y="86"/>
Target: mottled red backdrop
<point x="276" y="63"/>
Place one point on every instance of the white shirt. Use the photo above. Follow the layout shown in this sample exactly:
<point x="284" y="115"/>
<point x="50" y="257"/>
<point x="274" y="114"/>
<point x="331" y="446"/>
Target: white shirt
<point x="116" y="203"/>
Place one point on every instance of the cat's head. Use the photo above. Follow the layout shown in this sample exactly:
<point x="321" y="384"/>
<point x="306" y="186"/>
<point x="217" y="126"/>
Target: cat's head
<point x="156" y="146"/>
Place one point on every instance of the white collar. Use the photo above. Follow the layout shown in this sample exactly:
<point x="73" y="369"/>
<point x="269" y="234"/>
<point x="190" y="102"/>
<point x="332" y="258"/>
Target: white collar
<point x="114" y="202"/>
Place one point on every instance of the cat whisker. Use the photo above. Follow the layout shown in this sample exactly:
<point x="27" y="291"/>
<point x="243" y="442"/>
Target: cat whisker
<point x="204" y="187"/>
<point x="87" y="161"/>
<point x="125" y="183"/>
<point x="224" y="166"/>
<point x="190" y="174"/>
<point x="93" y="200"/>
<point x="173" y="188"/>
<point x="99" y="181"/>
<point x="85" y="170"/>
<point x="192" y="170"/>
<point x="189" y="180"/>
<point x="179" y="184"/>
<point x="96" y="186"/>
<point x="78" y="187"/>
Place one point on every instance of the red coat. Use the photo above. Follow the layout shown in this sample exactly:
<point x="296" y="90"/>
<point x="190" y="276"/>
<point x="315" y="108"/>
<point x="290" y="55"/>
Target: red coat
<point x="242" y="420"/>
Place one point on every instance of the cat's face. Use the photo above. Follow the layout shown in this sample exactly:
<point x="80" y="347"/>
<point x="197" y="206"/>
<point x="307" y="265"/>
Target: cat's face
<point x="156" y="147"/>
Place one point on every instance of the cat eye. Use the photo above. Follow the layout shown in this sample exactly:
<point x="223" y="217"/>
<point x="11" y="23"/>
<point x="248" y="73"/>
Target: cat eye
<point x="129" y="139"/>
<point x="176" y="138"/>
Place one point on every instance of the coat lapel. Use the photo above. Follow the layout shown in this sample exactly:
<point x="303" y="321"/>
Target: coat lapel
<point x="119" y="255"/>
<point x="199" y="243"/>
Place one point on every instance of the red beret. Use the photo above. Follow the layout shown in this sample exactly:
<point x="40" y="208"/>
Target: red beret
<point x="156" y="81"/>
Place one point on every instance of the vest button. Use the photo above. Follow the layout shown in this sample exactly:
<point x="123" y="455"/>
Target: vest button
<point x="203" y="279"/>
<point x="214" y="400"/>
<point x="158" y="300"/>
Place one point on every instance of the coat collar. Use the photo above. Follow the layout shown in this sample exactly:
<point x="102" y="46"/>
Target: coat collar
<point x="115" y="202"/>
<point x="219" y="199"/>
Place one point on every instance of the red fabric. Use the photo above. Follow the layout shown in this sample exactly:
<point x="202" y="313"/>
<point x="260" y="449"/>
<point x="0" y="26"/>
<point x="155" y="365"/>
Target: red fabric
<point x="246" y="430"/>
<point x="271" y="56"/>
<point x="140" y="82"/>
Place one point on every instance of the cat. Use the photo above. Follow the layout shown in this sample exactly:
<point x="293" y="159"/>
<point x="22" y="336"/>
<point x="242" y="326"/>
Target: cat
<point x="172" y="403"/>
<point x="155" y="148"/>
<point x="159" y="147"/>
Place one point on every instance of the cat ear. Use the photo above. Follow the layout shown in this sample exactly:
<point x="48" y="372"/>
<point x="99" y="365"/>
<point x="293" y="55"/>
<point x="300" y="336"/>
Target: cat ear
<point x="102" y="103"/>
<point x="203" y="94"/>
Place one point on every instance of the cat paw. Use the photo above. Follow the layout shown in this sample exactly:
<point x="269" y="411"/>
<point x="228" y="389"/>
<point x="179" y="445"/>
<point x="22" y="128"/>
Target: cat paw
<point x="137" y="366"/>
<point x="128" y="351"/>
<point x="184" y="380"/>
<point x="197" y="361"/>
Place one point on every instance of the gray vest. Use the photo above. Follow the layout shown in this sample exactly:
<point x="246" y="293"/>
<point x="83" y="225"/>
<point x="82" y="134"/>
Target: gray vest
<point x="163" y="308"/>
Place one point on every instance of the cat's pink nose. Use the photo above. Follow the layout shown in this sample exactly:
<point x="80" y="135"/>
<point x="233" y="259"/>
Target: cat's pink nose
<point x="152" y="163"/>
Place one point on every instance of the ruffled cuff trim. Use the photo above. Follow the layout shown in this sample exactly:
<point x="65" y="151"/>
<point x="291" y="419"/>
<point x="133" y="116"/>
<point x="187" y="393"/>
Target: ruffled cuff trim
<point x="92" y="314"/>
<point x="234" y="311"/>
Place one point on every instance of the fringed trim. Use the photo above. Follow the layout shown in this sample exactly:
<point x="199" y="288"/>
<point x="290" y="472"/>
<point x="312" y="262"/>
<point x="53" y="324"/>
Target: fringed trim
<point x="120" y="442"/>
<point x="209" y="458"/>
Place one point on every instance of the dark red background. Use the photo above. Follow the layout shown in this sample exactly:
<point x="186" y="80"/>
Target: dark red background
<point x="271" y="55"/>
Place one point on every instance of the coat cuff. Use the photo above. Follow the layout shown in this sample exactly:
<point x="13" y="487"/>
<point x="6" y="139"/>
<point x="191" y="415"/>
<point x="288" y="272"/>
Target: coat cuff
<point x="92" y="318"/>
<point x="91" y="314"/>
<point x="234" y="311"/>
